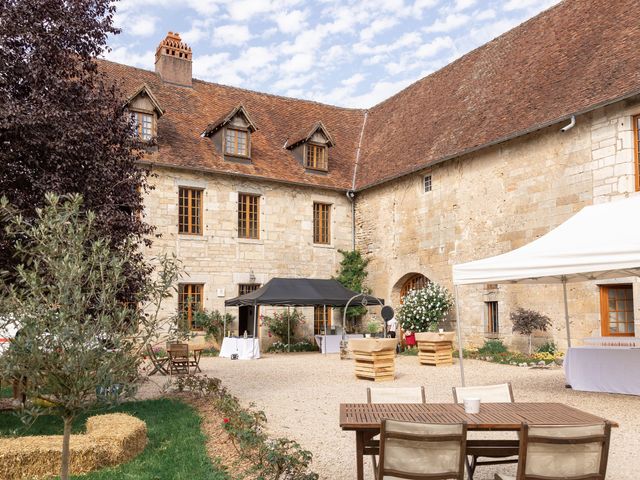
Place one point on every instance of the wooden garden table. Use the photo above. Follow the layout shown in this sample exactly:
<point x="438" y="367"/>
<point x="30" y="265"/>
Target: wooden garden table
<point x="195" y="349"/>
<point x="365" y="418"/>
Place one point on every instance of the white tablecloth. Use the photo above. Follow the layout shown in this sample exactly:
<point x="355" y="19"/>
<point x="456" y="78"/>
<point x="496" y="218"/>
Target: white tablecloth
<point x="333" y="342"/>
<point x="246" y="348"/>
<point x="603" y="369"/>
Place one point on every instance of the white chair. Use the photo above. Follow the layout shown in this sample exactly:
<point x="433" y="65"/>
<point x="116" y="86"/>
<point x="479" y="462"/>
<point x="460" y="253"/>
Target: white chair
<point x="498" y="451"/>
<point x="421" y="451"/>
<point x="396" y="395"/>
<point x="389" y="395"/>
<point x="563" y="452"/>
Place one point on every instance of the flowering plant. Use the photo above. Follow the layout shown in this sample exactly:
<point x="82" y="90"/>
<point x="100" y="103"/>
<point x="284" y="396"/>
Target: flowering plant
<point x="422" y="309"/>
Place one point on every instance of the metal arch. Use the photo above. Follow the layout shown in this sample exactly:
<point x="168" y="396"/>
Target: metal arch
<point x="364" y="304"/>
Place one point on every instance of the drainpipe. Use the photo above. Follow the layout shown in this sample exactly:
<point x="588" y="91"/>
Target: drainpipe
<point x="571" y="124"/>
<point x="351" y="195"/>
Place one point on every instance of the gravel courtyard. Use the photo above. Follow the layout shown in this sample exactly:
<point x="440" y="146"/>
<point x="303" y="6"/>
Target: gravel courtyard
<point x="301" y="393"/>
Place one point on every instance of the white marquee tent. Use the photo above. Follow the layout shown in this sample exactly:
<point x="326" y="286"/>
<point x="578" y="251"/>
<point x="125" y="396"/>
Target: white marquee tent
<point x="601" y="241"/>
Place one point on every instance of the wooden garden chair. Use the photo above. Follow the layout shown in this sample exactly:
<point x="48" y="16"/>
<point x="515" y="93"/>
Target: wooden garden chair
<point x="179" y="361"/>
<point x="497" y="451"/>
<point x="159" y="362"/>
<point x="421" y="451"/>
<point x="390" y="395"/>
<point x="563" y="452"/>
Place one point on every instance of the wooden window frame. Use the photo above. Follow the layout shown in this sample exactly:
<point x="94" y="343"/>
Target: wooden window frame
<point x="182" y="298"/>
<point x="245" y="232"/>
<point x="318" y="319"/>
<point x="636" y="149"/>
<point x="604" y="310"/>
<point x="325" y="153"/>
<point x="192" y="228"/>
<point x="236" y="154"/>
<point x="415" y="282"/>
<point x="138" y="119"/>
<point x="321" y="225"/>
<point x="427" y="180"/>
<point x="244" y="288"/>
<point x="491" y="310"/>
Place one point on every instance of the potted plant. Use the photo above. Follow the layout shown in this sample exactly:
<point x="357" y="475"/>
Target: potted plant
<point x="422" y="310"/>
<point x="373" y="327"/>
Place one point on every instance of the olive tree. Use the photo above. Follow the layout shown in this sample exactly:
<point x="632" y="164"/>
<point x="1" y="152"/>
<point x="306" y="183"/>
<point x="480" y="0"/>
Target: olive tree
<point x="77" y="343"/>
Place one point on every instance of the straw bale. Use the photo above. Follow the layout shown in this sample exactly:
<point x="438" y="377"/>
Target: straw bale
<point x="110" y="440"/>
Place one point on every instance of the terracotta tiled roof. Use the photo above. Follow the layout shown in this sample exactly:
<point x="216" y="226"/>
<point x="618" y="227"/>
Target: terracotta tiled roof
<point x="189" y="111"/>
<point x="306" y="133"/>
<point x="569" y="59"/>
<point x="224" y="119"/>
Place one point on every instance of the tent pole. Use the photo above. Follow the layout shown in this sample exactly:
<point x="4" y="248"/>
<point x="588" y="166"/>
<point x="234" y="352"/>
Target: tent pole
<point x="459" y="329"/>
<point x="255" y="327"/>
<point x="566" y="310"/>
<point x="288" y="329"/>
<point x="324" y="342"/>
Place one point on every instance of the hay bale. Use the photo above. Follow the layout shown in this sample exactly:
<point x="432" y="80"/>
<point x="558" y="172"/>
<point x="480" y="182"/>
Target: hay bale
<point x="110" y="440"/>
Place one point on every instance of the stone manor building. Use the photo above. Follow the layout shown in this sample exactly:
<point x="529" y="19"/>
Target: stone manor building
<point x="466" y="163"/>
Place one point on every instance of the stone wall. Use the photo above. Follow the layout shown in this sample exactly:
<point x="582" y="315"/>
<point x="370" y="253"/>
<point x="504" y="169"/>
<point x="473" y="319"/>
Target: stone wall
<point x="220" y="260"/>
<point x="496" y="200"/>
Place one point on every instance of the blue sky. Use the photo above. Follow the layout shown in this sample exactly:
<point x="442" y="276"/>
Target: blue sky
<point x="341" y="52"/>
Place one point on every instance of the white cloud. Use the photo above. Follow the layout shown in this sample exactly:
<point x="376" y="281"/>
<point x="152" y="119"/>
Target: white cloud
<point x="300" y="62"/>
<point x="379" y="91"/>
<point x="487" y="14"/>
<point x="353" y="80"/>
<point x="127" y="56"/>
<point x="143" y="27"/>
<point x="434" y="47"/>
<point x="376" y="27"/>
<point x="448" y="23"/>
<point x="420" y="5"/>
<point x="291" y="22"/>
<point x="231" y="34"/>
<point x="461" y="5"/>
<point x="523" y="4"/>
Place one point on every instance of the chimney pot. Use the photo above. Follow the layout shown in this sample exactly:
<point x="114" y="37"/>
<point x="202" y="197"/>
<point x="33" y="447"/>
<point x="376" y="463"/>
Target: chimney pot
<point x="173" y="60"/>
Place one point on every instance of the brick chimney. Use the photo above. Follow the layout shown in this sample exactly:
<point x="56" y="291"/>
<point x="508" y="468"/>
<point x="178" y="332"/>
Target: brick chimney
<point x="173" y="60"/>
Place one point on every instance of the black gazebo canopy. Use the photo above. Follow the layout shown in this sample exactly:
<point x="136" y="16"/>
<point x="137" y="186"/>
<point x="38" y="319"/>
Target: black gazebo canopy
<point x="303" y="291"/>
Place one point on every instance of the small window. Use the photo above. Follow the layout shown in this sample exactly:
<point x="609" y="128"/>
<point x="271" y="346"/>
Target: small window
<point x="321" y="223"/>
<point x="320" y="314"/>
<point x="236" y="142"/>
<point x="427" y="183"/>
<point x="143" y="124"/>
<point x="248" y="216"/>
<point x="244" y="288"/>
<point x="190" y="211"/>
<point x="189" y="302"/>
<point x="493" y="325"/>
<point x="316" y="157"/>
<point x="616" y="307"/>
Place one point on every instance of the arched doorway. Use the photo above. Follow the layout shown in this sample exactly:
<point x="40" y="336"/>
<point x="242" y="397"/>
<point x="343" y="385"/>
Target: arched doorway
<point x="415" y="282"/>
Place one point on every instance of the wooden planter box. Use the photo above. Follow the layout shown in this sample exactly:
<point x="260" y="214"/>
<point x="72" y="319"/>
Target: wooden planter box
<point x="435" y="348"/>
<point x="375" y="358"/>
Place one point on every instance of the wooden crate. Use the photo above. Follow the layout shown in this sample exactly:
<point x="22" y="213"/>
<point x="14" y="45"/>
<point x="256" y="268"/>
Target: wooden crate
<point x="375" y="359"/>
<point x="435" y="348"/>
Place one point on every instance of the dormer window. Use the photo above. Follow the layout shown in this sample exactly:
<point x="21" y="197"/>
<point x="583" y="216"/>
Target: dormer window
<point x="145" y="111"/>
<point x="236" y="142"/>
<point x="311" y="148"/>
<point x="144" y="124"/>
<point x="231" y="135"/>
<point x="315" y="157"/>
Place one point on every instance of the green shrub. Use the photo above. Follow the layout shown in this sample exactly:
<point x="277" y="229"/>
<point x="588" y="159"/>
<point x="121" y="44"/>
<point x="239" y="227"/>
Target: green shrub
<point x="303" y="346"/>
<point x="492" y="347"/>
<point x="548" y="347"/>
<point x="283" y="325"/>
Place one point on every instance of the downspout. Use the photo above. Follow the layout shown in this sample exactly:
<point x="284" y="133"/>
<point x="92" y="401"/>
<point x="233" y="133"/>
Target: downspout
<point x="351" y="194"/>
<point x="570" y="125"/>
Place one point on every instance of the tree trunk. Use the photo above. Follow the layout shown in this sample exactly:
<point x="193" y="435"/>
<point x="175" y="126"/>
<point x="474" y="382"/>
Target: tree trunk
<point x="529" y="344"/>
<point x="66" y="437"/>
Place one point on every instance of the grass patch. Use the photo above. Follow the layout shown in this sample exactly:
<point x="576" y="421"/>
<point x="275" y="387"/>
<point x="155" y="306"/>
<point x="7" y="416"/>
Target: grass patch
<point x="6" y="392"/>
<point x="176" y="448"/>
<point x="410" y="352"/>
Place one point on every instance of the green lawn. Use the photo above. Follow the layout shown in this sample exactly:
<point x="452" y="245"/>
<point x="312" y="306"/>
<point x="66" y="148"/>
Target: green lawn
<point x="176" y="448"/>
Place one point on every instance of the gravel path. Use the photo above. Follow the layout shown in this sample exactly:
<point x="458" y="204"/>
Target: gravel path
<point x="301" y="393"/>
